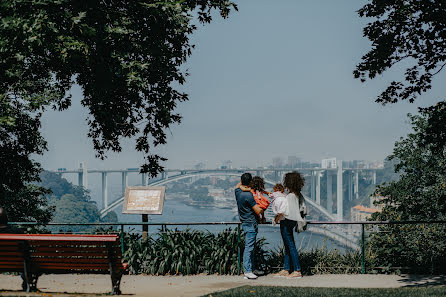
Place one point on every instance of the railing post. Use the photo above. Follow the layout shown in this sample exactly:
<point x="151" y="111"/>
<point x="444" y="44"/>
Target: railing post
<point x="239" y="258"/>
<point x="362" y="248"/>
<point x="122" y="239"/>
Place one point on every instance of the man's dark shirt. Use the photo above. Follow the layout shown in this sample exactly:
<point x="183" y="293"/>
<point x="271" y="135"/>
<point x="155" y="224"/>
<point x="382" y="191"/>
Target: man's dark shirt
<point x="245" y="203"/>
<point x="10" y="229"/>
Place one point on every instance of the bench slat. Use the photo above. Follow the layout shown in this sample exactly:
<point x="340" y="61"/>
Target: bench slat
<point x="9" y="249"/>
<point x="11" y="243"/>
<point x="74" y="266"/>
<point x="84" y="243"/>
<point x="12" y="260"/>
<point x="65" y="249"/>
<point x="70" y="255"/>
<point x="60" y="237"/>
<point x="9" y="254"/>
<point x="72" y="260"/>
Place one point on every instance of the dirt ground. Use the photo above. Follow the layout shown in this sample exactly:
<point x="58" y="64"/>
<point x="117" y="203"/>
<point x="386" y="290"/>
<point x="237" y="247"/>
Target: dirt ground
<point x="188" y="286"/>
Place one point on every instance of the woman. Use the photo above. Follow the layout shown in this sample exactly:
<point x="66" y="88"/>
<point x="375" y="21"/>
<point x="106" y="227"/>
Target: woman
<point x="293" y="182"/>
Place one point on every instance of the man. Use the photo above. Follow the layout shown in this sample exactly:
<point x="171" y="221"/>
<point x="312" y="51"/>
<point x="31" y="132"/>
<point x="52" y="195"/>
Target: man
<point x="248" y="211"/>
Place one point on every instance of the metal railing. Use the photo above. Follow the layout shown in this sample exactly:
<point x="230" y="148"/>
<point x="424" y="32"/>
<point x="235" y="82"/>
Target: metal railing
<point x="164" y="225"/>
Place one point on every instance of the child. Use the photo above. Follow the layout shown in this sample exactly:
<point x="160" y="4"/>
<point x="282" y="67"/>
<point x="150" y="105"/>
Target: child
<point x="278" y="202"/>
<point x="257" y="188"/>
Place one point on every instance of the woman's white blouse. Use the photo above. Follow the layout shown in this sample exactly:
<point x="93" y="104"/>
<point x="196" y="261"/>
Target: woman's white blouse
<point x="293" y="208"/>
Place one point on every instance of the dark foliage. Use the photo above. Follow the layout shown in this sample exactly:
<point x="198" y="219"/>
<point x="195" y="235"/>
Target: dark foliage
<point x="72" y="203"/>
<point x="19" y="138"/>
<point x="419" y="194"/>
<point x="126" y="56"/>
<point x="412" y="30"/>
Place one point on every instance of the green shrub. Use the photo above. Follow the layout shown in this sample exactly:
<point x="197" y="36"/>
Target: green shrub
<point x="416" y="248"/>
<point x="183" y="252"/>
<point x="193" y="252"/>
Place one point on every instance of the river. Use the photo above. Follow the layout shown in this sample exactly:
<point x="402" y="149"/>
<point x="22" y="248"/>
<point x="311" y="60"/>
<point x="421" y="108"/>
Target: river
<point x="175" y="211"/>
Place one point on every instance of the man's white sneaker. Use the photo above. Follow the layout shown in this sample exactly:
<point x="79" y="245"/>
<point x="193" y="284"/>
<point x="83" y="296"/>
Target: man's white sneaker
<point x="250" y="275"/>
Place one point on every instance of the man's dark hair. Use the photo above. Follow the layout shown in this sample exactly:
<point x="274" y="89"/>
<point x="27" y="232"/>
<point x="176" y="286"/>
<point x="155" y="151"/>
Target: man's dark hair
<point x="246" y="179"/>
<point x="3" y="216"/>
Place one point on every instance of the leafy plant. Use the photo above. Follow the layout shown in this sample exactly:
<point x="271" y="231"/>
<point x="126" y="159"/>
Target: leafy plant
<point x="419" y="194"/>
<point x="192" y="252"/>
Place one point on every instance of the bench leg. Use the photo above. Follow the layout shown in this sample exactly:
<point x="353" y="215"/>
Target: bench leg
<point x="116" y="283"/>
<point x="30" y="282"/>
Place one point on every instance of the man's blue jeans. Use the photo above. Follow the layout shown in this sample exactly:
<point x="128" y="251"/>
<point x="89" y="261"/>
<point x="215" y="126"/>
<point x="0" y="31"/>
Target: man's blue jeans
<point x="250" y="230"/>
<point x="291" y="255"/>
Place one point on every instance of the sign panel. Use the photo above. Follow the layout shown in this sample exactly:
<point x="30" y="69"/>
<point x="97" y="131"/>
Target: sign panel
<point x="144" y="200"/>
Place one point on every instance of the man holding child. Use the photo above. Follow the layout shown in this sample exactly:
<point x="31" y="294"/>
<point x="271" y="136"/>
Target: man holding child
<point x="248" y="211"/>
<point x="289" y="209"/>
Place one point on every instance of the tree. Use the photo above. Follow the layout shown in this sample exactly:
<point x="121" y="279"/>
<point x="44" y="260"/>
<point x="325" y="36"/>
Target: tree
<point x="411" y="30"/>
<point x="419" y="194"/>
<point x="19" y="138"/>
<point x="126" y="55"/>
<point x="72" y="203"/>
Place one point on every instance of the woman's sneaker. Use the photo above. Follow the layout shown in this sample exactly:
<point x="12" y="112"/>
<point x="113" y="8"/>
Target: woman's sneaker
<point x="281" y="273"/>
<point x="295" y="274"/>
<point x="250" y="275"/>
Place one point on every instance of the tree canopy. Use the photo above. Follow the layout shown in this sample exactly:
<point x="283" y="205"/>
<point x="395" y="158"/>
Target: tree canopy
<point x="72" y="203"/>
<point x="420" y="192"/>
<point x="418" y="195"/>
<point x="411" y="30"/>
<point x="23" y="200"/>
<point x="126" y="56"/>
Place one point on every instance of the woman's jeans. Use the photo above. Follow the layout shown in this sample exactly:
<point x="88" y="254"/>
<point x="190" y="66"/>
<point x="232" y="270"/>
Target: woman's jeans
<point x="291" y="256"/>
<point x="250" y="230"/>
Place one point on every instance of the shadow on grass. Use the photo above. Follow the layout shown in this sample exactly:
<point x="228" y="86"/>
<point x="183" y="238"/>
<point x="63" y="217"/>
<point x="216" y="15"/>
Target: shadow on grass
<point x="439" y="291"/>
<point x="17" y="293"/>
<point x="423" y="280"/>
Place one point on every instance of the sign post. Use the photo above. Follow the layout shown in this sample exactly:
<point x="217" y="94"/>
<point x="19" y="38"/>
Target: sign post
<point x="144" y="200"/>
<point x="145" y="228"/>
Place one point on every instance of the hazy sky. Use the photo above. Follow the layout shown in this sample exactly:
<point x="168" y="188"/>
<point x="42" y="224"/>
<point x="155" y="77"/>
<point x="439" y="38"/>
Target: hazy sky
<point x="272" y="80"/>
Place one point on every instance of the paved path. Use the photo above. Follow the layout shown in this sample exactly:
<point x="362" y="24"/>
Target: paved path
<point x="188" y="286"/>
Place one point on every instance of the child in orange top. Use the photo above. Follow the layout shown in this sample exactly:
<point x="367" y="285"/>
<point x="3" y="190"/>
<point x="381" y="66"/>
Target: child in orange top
<point x="257" y="188"/>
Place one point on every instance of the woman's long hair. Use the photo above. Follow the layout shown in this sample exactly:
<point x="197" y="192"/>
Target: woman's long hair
<point x="294" y="182"/>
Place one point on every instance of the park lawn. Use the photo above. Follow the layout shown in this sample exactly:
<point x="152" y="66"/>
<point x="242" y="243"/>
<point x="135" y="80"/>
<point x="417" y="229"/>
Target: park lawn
<point x="260" y="291"/>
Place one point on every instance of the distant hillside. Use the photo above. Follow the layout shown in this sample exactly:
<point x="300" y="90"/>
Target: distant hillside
<point x="73" y="203"/>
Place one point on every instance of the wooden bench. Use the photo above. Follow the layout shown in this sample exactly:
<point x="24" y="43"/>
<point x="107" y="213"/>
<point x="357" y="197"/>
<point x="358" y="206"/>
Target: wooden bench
<point x="35" y="254"/>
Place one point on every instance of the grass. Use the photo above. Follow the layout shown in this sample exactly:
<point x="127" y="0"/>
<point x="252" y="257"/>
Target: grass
<point x="329" y="292"/>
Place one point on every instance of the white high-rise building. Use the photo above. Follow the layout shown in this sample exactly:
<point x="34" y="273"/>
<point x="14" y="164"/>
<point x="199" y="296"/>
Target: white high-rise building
<point x="328" y="163"/>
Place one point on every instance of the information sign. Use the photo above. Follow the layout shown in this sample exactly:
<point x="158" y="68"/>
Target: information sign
<point x="144" y="200"/>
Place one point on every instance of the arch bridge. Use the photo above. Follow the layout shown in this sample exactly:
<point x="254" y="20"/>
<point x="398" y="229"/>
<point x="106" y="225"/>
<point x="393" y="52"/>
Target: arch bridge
<point x="312" y="175"/>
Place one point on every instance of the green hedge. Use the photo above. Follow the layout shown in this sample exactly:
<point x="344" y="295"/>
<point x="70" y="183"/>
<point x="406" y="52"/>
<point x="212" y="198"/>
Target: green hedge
<point x="192" y="252"/>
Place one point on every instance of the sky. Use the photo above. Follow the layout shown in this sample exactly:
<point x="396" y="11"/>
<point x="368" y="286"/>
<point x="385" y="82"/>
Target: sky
<point x="273" y="80"/>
